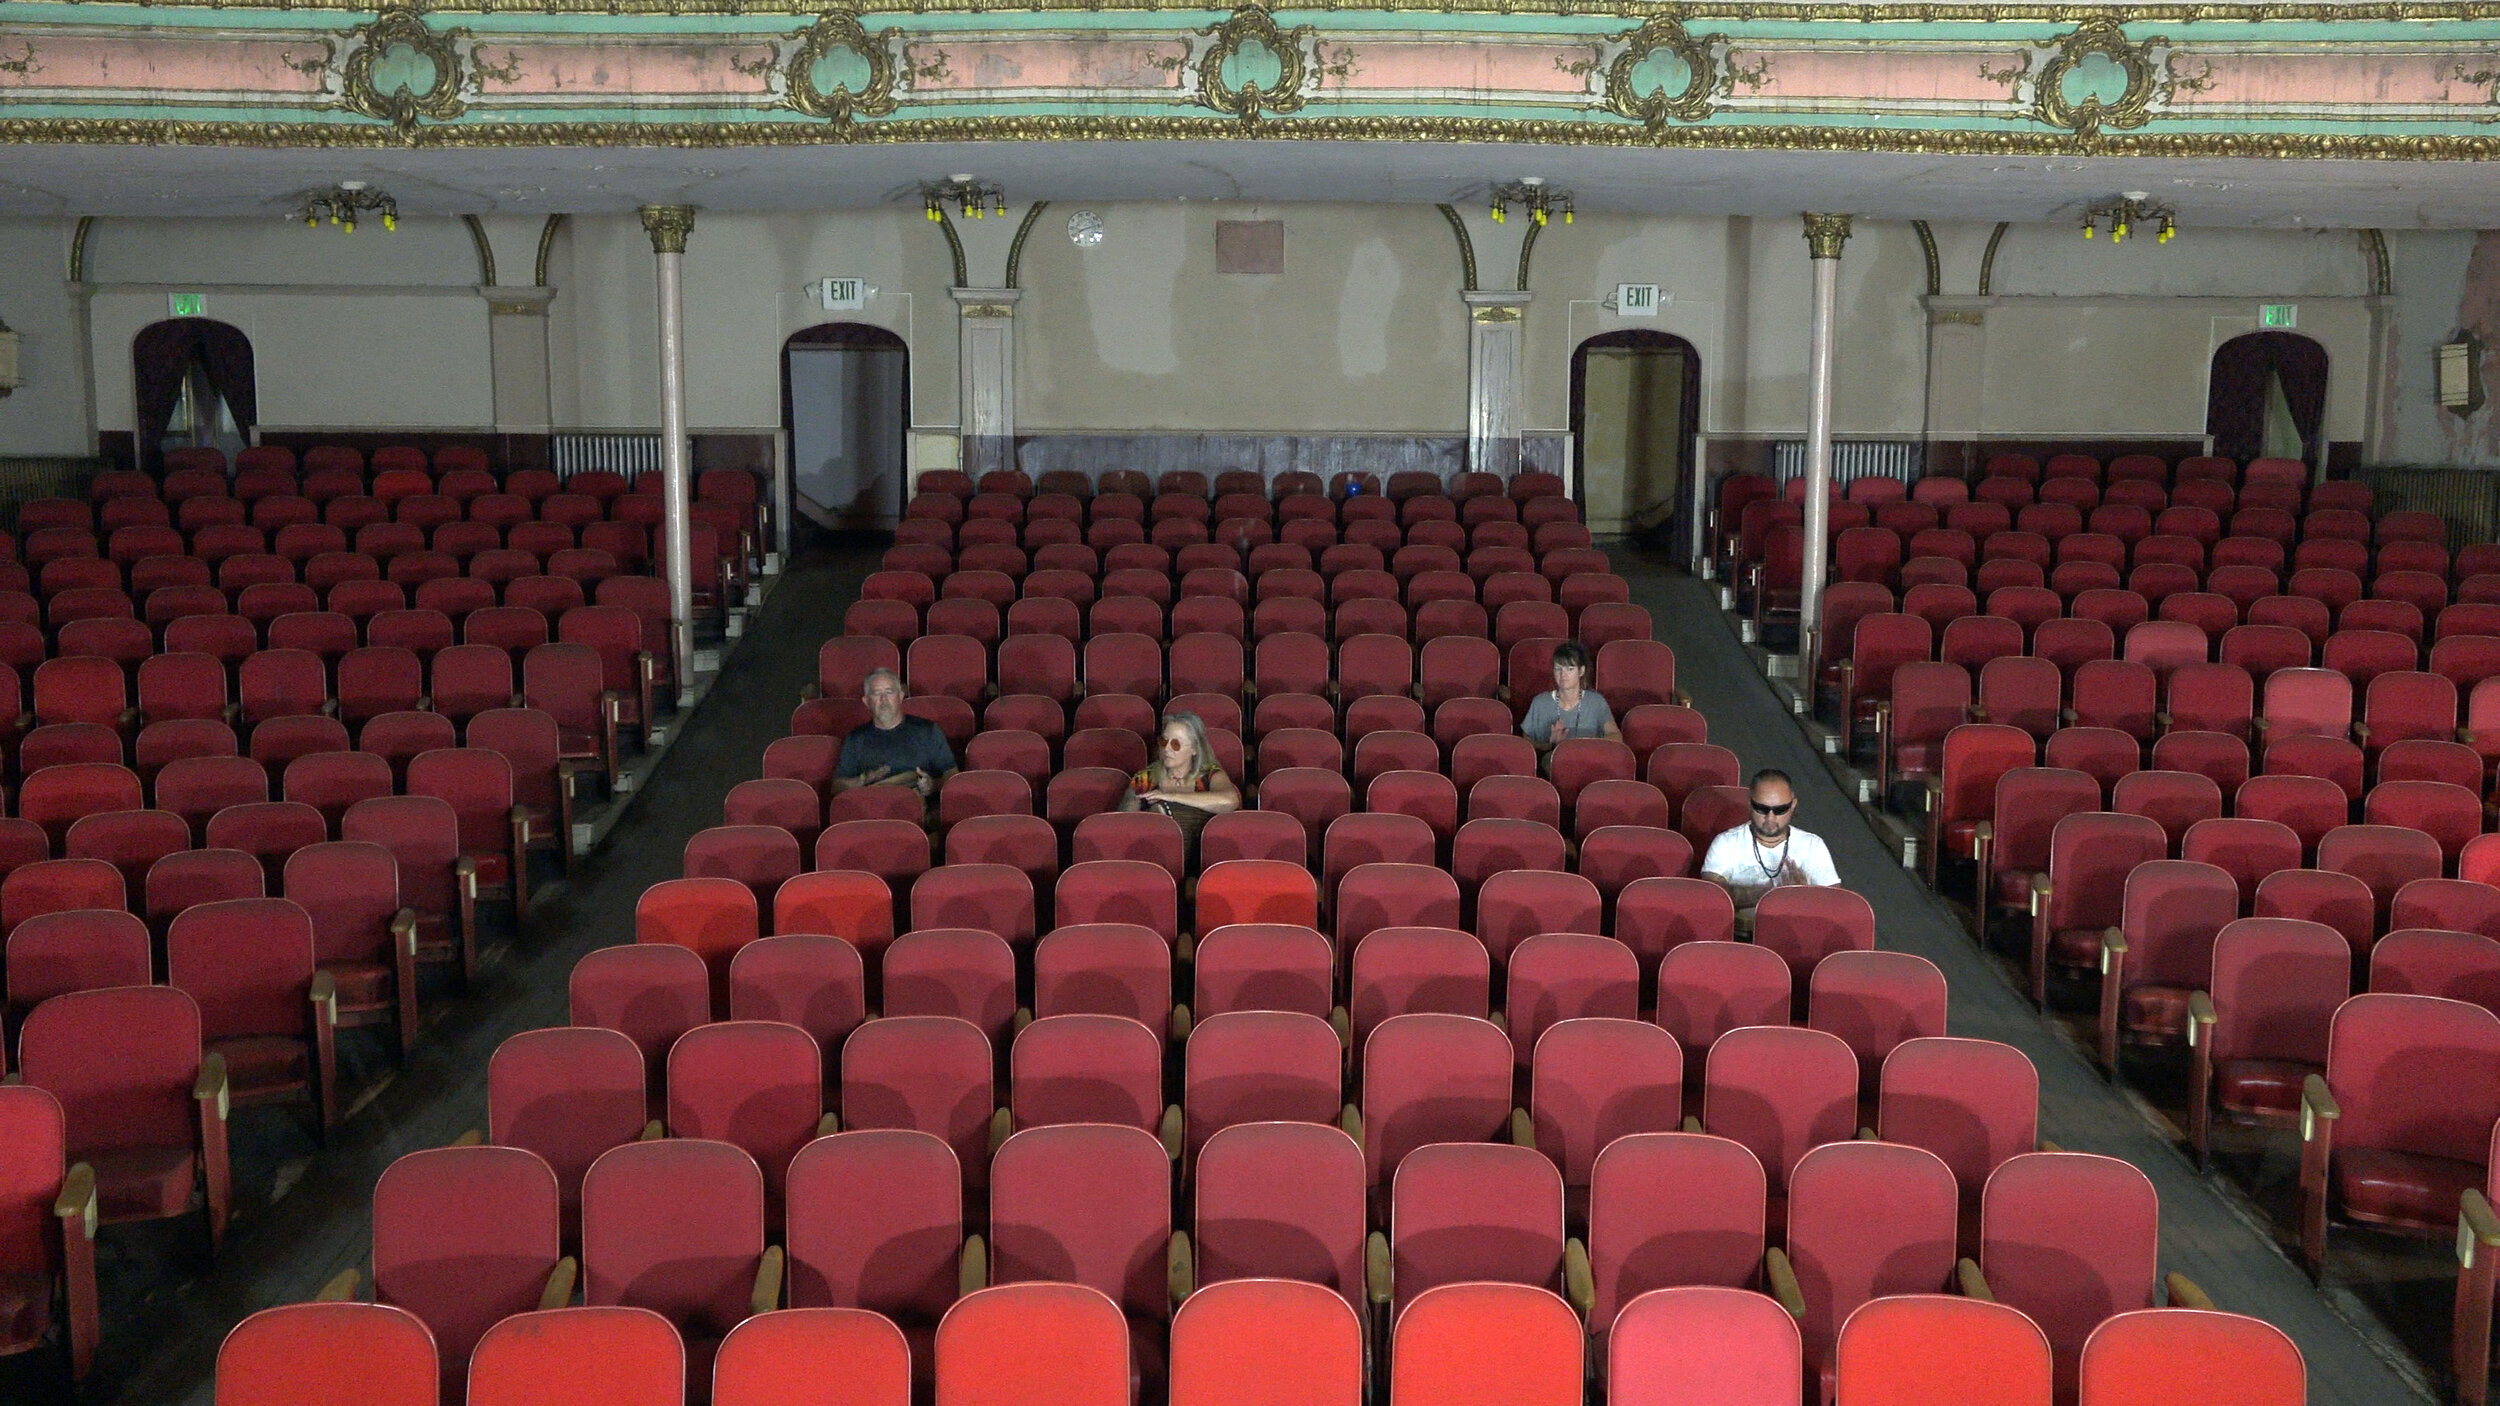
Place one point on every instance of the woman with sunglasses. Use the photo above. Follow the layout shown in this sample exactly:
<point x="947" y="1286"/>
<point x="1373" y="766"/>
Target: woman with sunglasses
<point x="1572" y="709"/>
<point x="1183" y="781"/>
<point x="1768" y="851"/>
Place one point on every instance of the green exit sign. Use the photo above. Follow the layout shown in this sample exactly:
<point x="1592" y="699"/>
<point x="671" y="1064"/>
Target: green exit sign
<point x="2278" y="315"/>
<point x="188" y="304"/>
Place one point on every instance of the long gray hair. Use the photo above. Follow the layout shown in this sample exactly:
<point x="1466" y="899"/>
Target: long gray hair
<point x="1197" y="728"/>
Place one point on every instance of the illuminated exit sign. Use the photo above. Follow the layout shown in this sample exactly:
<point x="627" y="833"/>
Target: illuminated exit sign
<point x="2278" y="315"/>
<point x="188" y="304"/>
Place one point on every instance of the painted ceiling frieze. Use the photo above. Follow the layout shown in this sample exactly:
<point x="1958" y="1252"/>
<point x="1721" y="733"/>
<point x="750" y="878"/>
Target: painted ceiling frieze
<point x="2378" y="79"/>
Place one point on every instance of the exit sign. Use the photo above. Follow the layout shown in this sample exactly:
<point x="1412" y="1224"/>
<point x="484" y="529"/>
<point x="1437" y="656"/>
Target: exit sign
<point x="187" y="304"/>
<point x="1636" y="300"/>
<point x="840" y="293"/>
<point x="2278" y="315"/>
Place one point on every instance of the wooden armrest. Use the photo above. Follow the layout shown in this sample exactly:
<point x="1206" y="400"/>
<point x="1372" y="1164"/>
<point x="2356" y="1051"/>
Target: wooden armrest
<point x="1972" y="1283"/>
<point x="468" y="1138"/>
<point x="559" y="1290"/>
<point x="1376" y="1273"/>
<point x="2316" y="1106"/>
<point x="1182" y="1023"/>
<point x="1782" y="1278"/>
<point x="2466" y="736"/>
<point x="2200" y="1017"/>
<point x="1982" y="835"/>
<point x="1579" y="1285"/>
<point x="1180" y="1268"/>
<point x="1975" y="713"/>
<point x="2184" y="1293"/>
<point x="767" y="1293"/>
<point x="77" y="1199"/>
<point x="1522" y="1129"/>
<point x="1170" y="1130"/>
<point x="972" y="1268"/>
<point x="2361" y="733"/>
<point x="211" y="1085"/>
<point x="2044" y="1145"/>
<point x="1002" y="1126"/>
<point x="1343" y="1024"/>
<point x="2040" y="892"/>
<point x="1691" y="1124"/>
<point x="1868" y="1135"/>
<point x="404" y="929"/>
<point x="1350" y="1122"/>
<point x="325" y="997"/>
<point x="828" y="1125"/>
<point x="2477" y="1225"/>
<point x="652" y="1131"/>
<point x="2113" y="944"/>
<point x="1023" y="1017"/>
<point x="341" y="1287"/>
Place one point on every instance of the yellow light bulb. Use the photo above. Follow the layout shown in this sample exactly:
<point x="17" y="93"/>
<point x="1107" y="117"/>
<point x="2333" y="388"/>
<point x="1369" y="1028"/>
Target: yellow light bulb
<point x="1566" y="214"/>
<point x="2087" y="231"/>
<point x="1540" y="219"/>
<point x="391" y="223"/>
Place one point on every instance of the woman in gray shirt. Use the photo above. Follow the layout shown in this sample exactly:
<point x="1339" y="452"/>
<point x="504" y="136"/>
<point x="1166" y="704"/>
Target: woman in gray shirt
<point x="1572" y="709"/>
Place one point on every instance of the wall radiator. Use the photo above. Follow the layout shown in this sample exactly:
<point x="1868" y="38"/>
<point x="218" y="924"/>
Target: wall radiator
<point x="1854" y="458"/>
<point x="27" y="477"/>
<point x="2468" y="499"/>
<point x="628" y="453"/>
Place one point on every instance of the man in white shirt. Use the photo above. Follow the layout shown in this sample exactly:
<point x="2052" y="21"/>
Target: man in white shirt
<point x="1768" y="851"/>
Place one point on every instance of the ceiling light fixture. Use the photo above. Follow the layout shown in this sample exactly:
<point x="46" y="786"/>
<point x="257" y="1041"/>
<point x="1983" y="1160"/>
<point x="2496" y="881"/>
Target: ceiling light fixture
<point x="975" y="197"/>
<point x="341" y="205"/>
<point x="2130" y="209"/>
<point x="1533" y="197"/>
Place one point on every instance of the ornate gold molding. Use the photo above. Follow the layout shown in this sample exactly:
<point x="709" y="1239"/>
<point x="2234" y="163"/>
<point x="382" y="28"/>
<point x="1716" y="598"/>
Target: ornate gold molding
<point x="841" y="32"/>
<point x="78" y="249"/>
<point x="1015" y="247"/>
<point x="989" y="310"/>
<point x="1957" y="317"/>
<point x="1253" y="30"/>
<point x="485" y="250"/>
<point x="1656" y="106"/>
<point x="470" y="136"/>
<point x="546" y="246"/>
<point x="2097" y="38"/>
<point x="954" y="249"/>
<point x="1466" y="246"/>
<point x="1927" y="248"/>
<point x="1498" y="312"/>
<point x="668" y="226"/>
<point x="496" y="308"/>
<point x="1825" y="234"/>
<point x="374" y="44"/>
<point x="1988" y="260"/>
<point x="1945" y="11"/>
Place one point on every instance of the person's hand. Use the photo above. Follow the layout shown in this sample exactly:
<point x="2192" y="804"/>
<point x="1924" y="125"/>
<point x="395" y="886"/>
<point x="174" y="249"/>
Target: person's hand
<point x="922" y="782"/>
<point x="1155" y="797"/>
<point x="876" y="774"/>
<point x="1555" y="733"/>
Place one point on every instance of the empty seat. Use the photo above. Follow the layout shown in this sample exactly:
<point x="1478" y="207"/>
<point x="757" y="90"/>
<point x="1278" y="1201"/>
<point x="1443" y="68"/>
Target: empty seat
<point x="2386" y="1149"/>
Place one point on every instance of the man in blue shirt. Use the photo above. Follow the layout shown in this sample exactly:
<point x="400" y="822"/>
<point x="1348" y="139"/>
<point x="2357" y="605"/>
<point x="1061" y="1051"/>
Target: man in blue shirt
<point x="894" y="748"/>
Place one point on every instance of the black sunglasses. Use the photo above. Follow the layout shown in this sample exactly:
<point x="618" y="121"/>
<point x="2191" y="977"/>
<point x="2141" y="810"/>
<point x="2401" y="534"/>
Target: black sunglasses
<point x="1760" y="809"/>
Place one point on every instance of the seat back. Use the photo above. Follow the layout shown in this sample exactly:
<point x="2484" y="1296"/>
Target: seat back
<point x="566" y="1094"/>
<point x="311" y="1354"/>
<point x="1282" y="1201"/>
<point x="1781" y="1091"/>
<point x="876" y="1222"/>
<point x="1920" y="1349"/>
<point x="1704" y="1345"/>
<point x="2070" y="1238"/>
<point x="1044" y="1344"/>
<point x="1431" y="1078"/>
<point x="2375" y="1039"/>
<point x="1474" y="1213"/>
<point x="828" y="1356"/>
<point x="464" y="1237"/>
<point x="1085" y="1204"/>
<point x="1261" y="1340"/>
<point x="674" y="1225"/>
<point x="2175" y="1356"/>
<point x="1672" y="1208"/>
<point x="589" y="1356"/>
<point x="1865" y="1220"/>
<point x="122" y="1061"/>
<point x="930" y="1074"/>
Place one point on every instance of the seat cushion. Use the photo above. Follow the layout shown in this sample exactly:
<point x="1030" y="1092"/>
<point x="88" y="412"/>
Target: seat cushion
<point x="140" y="1183"/>
<point x="25" y="1310"/>
<point x="1957" y="836"/>
<point x="363" y="986"/>
<point x="1916" y="758"/>
<point x="2402" y="1190"/>
<point x="262" y="1064"/>
<point x="2158" y="1012"/>
<point x="2014" y="888"/>
<point x="494" y="868"/>
<point x="2075" y="947"/>
<point x="2266" y="1087"/>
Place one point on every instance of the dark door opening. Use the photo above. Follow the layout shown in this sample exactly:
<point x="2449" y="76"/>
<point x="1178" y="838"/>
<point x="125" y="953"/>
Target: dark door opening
<point x="846" y="403"/>
<point x="1635" y="408"/>
<point x="2267" y="398"/>
<point x="195" y="388"/>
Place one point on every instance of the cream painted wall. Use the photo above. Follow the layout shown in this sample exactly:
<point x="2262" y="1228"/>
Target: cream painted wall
<point x="47" y="414"/>
<point x="1364" y="331"/>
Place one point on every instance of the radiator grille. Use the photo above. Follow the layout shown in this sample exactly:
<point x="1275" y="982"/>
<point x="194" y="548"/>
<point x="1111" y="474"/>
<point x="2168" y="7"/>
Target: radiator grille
<point x="627" y="453"/>
<point x="27" y="477"/>
<point x="2468" y="499"/>
<point x="1854" y="458"/>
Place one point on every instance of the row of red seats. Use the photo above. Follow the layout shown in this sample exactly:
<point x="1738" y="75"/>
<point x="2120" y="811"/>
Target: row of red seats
<point x="1063" y="1345"/>
<point x="1237" y="519"/>
<point x="1188" y="558"/>
<point x="1354" y="483"/>
<point x="209" y="520"/>
<point x="1243" y="536"/>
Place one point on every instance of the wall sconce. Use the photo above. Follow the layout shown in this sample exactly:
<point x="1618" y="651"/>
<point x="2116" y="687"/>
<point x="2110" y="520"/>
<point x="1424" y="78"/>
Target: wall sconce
<point x="9" y="378"/>
<point x="2131" y="208"/>
<point x="341" y="205"/>
<point x="1532" y="197"/>
<point x="975" y="198"/>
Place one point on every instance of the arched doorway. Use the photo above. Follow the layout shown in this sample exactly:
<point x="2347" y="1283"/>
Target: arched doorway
<point x="194" y="384"/>
<point x="1635" y="406"/>
<point x="2267" y="398"/>
<point x="846" y="403"/>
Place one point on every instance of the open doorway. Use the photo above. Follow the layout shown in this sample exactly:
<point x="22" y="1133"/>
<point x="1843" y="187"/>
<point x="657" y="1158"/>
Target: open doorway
<point x="845" y="400"/>
<point x="2267" y="398"/>
<point x="1635" y="405"/>
<point x="195" y="388"/>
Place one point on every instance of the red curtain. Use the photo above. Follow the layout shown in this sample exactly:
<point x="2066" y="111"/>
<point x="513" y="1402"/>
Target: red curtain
<point x="162" y="358"/>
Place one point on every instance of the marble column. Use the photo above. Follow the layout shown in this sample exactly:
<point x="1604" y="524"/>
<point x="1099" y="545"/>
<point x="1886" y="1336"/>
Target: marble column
<point x="1824" y="236"/>
<point x="668" y="226"/>
<point x="985" y="358"/>
<point x="1496" y="381"/>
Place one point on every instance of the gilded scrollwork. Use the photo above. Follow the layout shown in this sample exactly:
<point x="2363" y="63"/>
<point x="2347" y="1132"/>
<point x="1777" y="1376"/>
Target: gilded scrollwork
<point x="2068" y="91"/>
<point x="1270" y="69"/>
<point x="1643" y="81"/>
<point x="841" y="72"/>
<point x="403" y="72"/>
